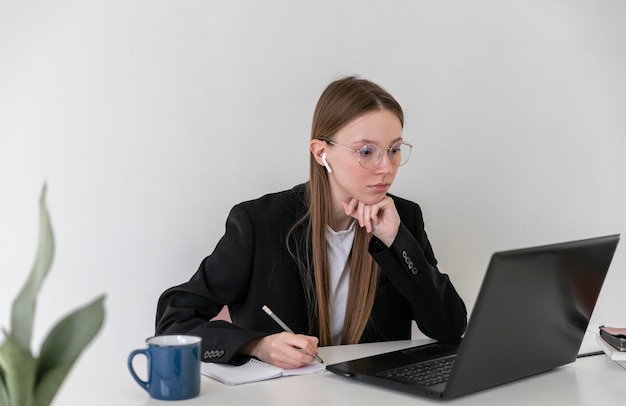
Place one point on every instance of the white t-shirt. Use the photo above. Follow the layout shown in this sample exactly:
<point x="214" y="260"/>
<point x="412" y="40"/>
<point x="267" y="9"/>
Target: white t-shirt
<point x="339" y="245"/>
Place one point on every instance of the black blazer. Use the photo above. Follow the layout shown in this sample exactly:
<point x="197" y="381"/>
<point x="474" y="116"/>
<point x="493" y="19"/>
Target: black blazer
<point x="251" y="267"/>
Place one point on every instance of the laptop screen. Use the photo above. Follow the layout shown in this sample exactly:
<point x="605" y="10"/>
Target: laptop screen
<point x="532" y="312"/>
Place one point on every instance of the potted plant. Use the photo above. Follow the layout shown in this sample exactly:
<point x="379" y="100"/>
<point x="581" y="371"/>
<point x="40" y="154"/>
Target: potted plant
<point x="27" y="379"/>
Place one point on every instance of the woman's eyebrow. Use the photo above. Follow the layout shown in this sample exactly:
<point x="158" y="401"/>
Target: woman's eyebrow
<point x="367" y="141"/>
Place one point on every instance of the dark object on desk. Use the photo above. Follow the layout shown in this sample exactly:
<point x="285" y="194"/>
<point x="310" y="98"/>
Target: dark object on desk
<point x="614" y="336"/>
<point x="530" y="317"/>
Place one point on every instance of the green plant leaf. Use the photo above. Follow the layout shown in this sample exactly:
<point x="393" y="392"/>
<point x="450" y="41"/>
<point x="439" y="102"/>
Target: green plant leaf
<point x="4" y="395"/>
<point x="64" y="345"/>
<point x="25" y="302"/>
<point x="50" y="385"/>
<point x="19" y="368"/>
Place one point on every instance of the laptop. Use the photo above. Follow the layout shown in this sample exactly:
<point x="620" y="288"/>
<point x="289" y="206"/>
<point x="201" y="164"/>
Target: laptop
<point x="531" y="314"/>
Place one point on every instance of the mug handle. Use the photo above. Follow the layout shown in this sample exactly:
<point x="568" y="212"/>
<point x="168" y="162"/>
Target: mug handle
<point x="143" y="384"/>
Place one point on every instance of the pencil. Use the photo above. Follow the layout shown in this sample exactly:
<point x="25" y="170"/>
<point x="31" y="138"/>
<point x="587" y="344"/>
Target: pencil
<point x="286" y="328"/>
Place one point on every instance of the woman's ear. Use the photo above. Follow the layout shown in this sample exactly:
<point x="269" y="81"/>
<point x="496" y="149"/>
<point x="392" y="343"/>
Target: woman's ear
<point x="318" y="149"/>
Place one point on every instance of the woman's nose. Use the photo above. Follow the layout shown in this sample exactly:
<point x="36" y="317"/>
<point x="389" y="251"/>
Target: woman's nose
<point x="385" y="163"/>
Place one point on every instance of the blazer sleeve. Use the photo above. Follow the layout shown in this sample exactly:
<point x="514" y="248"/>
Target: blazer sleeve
<point x="411" y="267"/>
<point x="222" y="278"/>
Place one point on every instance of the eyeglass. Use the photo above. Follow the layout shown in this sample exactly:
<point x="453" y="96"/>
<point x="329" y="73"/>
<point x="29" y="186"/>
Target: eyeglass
<point x="370" y="155"/>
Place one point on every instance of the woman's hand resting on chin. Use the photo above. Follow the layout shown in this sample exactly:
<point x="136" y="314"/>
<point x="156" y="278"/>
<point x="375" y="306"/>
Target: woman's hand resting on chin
<point x="380" y="219"/>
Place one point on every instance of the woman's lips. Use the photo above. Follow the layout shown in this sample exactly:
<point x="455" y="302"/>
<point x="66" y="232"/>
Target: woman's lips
<point x="380" y="187"/>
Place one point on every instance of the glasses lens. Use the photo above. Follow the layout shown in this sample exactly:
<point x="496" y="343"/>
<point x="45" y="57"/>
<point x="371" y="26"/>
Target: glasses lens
<point x="400" y="153"/>
<point x="369" y="155"/>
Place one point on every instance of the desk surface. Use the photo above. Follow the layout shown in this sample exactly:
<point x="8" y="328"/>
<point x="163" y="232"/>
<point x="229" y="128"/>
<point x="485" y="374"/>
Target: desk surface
<point x="589" y="380"/>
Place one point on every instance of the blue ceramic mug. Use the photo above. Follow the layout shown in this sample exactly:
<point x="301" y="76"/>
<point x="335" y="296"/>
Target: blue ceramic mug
<point x="173" y="367"/>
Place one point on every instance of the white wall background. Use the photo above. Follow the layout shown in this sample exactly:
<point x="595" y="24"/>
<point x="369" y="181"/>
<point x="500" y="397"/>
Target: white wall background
<point x="149" y="119"/>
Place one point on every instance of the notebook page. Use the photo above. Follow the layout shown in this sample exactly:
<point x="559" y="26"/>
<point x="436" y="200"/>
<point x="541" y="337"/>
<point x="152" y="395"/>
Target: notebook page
<point x="312" y="368"/>
<point x="252" y="371"/>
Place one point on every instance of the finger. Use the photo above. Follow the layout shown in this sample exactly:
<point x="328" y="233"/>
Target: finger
<point x="348" y="207"/>
<point x="345" y="207"/>
<point x="297" y="357"/>
<point x="367" y="218"/>
<point x="304" y="343"/>
<point x="312" y="343"/>
<point x="360" y="214"/>
<point x="353" y="206"/>
<point x="375" y="213"/>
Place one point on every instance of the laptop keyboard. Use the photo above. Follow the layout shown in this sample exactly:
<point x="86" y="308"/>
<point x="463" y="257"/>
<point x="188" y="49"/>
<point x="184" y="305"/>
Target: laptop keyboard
<point x="424" y="373"/>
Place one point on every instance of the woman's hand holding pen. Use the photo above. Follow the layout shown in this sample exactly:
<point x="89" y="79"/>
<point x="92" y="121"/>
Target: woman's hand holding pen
<point x="284" y="350"/>
<point x="380" y="219"/>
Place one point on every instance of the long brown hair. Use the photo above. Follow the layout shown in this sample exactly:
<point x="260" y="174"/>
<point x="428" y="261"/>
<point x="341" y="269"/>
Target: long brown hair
<point x="341" y="102"/>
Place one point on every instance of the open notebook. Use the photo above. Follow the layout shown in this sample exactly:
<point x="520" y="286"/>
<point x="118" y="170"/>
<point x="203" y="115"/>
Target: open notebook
<point x="254" y="371"/>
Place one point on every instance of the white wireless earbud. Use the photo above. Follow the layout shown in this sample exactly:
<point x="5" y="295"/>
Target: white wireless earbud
<point x="326" y="163"/>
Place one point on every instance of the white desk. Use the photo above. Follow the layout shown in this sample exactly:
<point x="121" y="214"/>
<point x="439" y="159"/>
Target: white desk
<point x="589" y="381"/>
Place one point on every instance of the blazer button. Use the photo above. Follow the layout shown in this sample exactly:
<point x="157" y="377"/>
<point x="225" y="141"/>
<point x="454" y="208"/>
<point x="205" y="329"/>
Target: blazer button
<point x="409" y="263"/>
<point x="213" y="354"/>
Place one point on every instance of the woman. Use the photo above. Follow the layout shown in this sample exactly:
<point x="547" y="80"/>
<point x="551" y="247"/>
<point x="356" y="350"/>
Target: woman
<point x="338" y="259"/>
